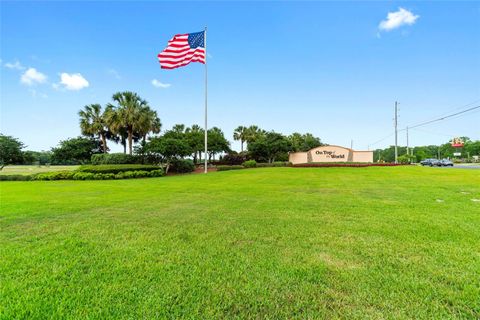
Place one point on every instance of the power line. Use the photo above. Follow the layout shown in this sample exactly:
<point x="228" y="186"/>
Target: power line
<point x="434" y="133"/>
<point x="384" y="138"/>
<point x="427" y="122"/>
<point x="443" y="118"/>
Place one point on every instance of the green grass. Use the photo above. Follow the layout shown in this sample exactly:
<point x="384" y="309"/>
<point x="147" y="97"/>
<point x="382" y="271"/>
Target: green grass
<point x="380" y="243"/>
<point x="25" y="170"/>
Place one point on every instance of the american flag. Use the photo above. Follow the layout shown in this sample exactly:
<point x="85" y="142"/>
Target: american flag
<point x="183" y="49"/>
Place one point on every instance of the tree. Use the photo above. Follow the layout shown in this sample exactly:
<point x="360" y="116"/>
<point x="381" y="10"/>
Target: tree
<point x="167" y="149"/>
<point x="94" y="122"/>
<point x="240" y="134"/>
<point x="472" y="148"/>
<point x="75" y="150"/>
<point x="253" y="133"/>
<point x="129" y="115"/>
<point x="10" y="151"/>
<point x="195" y="137"/>
<point x="269" y="146"/>
<point x="217" y="142"/>
<point x="148" y="122"/>
<point x="37" y="157"/>
<point x="303" y="142"/>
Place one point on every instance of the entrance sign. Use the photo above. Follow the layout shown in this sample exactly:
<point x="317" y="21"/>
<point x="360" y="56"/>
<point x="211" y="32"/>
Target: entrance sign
<point x="330" y="154"/>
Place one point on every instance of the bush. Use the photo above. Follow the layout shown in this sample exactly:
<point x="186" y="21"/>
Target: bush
<point x="250" y="164"/>
<point x="16" y="177"/>
<point x="114" y="158"/>
<point x="227" y="168"/>
<point x="57" y="175"/>
<point x="157" y="173"/>
<point x="273" y="164"/>
<point x="182" y="166"/>
<point x="344" y="164"/>
<point x="76" y="175"/>
<point x="234" y="158"/>
<point x="405" y="159"/>
<point x="83" y="176"/>
<point x="106" y="168"/>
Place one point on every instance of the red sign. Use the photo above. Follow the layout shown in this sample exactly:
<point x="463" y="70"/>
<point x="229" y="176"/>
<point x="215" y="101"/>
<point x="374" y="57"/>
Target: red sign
<point x="457" y="143"/>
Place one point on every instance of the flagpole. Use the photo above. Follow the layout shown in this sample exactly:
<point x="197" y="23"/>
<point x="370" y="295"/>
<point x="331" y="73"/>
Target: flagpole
<point x="206" y="149"/>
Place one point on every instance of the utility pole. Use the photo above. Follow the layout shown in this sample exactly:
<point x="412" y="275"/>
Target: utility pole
<point x="408" y="151"/>
<point x="351" y="144"/>
<point x="396" y="132"/>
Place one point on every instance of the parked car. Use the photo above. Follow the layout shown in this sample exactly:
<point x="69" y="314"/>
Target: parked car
<point x="431" y="163"/>
<point x="446" y="163"/>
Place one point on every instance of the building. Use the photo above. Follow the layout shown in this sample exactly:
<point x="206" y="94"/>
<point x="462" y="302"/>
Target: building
<point x="330" y="154"/>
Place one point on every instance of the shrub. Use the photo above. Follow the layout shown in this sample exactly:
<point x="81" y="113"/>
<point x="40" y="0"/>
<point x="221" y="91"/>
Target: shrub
<point x="157" y="173"/>
<point x="16" y="177"/>
<point x="405" y="159"/>
<point x="273" y="164"/>
<point x="234" y="158"/>
<point x="114" y="158"/>
<point x="182" y="166"/>
<point x="250" y="164"/>
<point x="83" y="176"/>
<point x="58" y="175"/>
<point x="112" y="168"/>
<point x="344" y="164"/>
<point x="72" y="175"/>
<point x="227" y="168"/>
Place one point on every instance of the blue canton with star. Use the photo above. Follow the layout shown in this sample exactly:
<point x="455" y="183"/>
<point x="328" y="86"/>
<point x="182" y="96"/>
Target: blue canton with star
<point x="196" y="40"/>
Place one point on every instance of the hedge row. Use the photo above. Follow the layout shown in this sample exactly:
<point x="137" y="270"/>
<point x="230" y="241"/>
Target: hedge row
<point x="355" y="165"/>
<point x="74" y="175"/>
<point x="253" y="164"/>
<point x="274" y="164"/>
<point x="16" y="177"/>
<point x="117" y="168"/>
<point x="114" y="158"/>
<point x="227" y="168"/>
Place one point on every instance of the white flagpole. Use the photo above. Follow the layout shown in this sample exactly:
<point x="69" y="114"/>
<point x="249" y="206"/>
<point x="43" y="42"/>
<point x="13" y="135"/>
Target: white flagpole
<point x="206" y="149"/>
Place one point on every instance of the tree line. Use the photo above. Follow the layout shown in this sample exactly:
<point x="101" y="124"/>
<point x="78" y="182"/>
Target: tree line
<point x="416" y="154"/>
<point x="130" y="121"/>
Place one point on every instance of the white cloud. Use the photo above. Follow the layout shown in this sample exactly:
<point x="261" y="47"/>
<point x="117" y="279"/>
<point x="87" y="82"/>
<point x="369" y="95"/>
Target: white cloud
<point x="32" y="76"/>
<point x="114" y="73"/>
<point x="74" y="81"/>
<point x="14" y="65"/>
<point x="159" y="84"/>
<point x="397" y="19"/>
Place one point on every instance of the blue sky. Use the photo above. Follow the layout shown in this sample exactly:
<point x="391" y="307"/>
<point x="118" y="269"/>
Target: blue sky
<point x="321" y="67"/>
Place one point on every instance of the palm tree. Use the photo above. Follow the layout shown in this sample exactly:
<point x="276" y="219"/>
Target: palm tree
<point x="127" y="114"/>
<point x="119" y="133"/>
<point x="253" y="133"/>
<point x="148" y="122"/>
<point x="240" y="134"/>
<point x="93" y="122"/>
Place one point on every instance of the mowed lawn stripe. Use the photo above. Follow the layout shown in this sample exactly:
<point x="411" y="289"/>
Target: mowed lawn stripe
<point x="257" y="243"/>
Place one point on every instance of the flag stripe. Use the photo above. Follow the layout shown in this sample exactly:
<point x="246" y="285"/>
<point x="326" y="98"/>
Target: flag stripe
<point x="184" y="62"/>
<point x="185" y="55"/>
<point x="178" y="54"/>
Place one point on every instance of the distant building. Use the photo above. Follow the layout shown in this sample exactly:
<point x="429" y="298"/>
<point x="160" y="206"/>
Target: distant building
<point x="330" y="154"/>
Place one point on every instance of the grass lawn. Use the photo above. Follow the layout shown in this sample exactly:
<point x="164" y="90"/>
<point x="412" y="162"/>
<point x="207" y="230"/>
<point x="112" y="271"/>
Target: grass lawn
<point x="24" y="170"/>
<point x="381" y="243"/>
